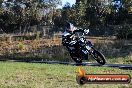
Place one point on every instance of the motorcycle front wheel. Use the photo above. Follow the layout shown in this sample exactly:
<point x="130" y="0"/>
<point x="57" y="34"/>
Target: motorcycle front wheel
<point x="98" y="56"/>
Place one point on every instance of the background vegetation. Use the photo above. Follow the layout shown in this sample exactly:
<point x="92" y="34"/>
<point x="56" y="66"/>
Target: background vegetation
<point x="29" y="27"/>
<point x="21" y="15"/>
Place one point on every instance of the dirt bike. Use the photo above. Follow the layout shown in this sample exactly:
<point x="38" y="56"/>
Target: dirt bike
<point x="82" y="48"/>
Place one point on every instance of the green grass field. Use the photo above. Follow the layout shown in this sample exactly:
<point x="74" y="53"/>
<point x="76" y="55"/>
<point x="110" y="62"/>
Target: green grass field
<point x="36" y="75"/>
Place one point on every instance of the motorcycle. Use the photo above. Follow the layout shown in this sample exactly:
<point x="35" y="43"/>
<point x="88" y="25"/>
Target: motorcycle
<point x="80" y="49"/>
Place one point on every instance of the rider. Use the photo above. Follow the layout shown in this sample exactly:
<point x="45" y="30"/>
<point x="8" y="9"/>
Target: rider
<point x="68" y="35"/>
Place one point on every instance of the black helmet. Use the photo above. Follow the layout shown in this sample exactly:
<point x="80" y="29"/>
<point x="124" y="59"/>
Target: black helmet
<point x="67" y="25"/>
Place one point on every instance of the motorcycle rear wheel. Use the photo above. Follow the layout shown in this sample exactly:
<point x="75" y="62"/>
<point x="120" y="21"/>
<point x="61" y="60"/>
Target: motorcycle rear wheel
<point x="76" y="59"/>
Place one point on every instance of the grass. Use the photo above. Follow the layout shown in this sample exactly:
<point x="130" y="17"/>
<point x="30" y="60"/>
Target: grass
<point x="35" y="75"/>
<point x="121" y="60"/>
<point x="115" y="60"/>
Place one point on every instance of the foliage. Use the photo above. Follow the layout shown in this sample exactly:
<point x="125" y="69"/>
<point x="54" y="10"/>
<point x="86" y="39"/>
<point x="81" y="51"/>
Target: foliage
<point x="75" y="14"/>
<point x="25" y="13"/>
<point x="20" y="15"/>
<point x="20" y="46"/>
<point x="124" y="31"/>
<point x="101" y="18"/>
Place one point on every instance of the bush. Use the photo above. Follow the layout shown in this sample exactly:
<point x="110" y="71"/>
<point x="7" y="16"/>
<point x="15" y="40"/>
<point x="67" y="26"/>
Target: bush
<point x="124" y="31"/>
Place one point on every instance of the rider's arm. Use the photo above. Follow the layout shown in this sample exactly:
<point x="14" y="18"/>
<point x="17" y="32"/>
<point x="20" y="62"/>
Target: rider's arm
<point x="78" y="30"/>
<point x="66" y="38"/>
<point x="86" y="31"/>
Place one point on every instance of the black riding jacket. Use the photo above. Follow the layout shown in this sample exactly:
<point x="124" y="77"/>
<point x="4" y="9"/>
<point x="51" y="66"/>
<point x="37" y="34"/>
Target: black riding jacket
<point x="67" y="36"/>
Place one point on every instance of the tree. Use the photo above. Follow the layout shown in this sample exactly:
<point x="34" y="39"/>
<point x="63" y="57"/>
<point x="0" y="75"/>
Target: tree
<point x="80" y="14"/>
<point x="66" y="12"/>
<point x="26" y="13"/>
<point x="124" y="31"/>
<point x="75" y="14"/>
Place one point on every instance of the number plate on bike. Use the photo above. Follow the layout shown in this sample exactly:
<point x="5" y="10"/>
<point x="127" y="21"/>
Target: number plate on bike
<point x="88" y="47"/>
